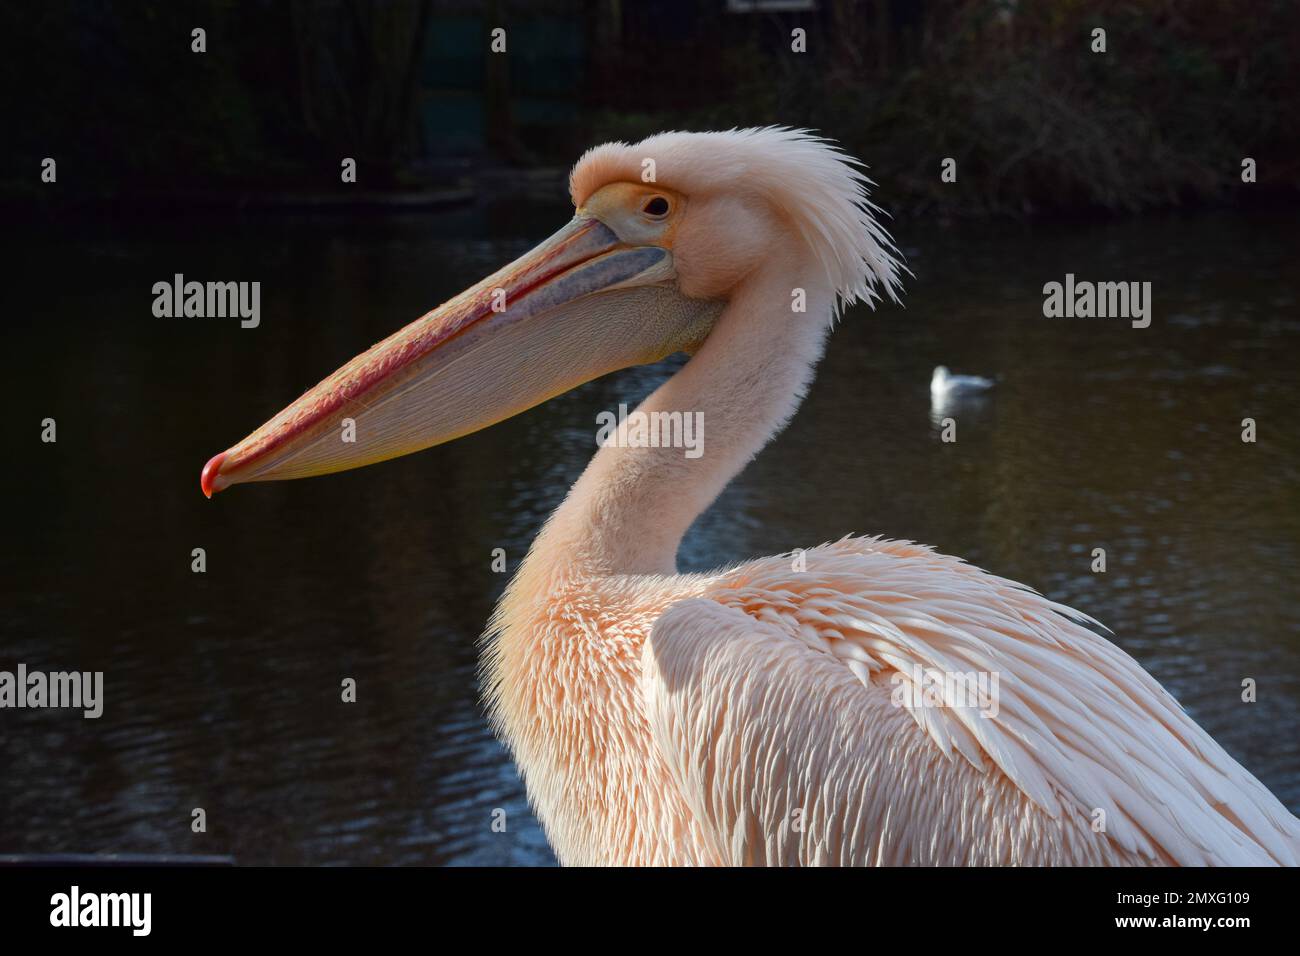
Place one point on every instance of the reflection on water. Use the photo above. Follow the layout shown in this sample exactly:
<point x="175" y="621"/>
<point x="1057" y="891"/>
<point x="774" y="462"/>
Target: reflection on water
<point x="223" y="688"/>
<point x="945" y="409"/>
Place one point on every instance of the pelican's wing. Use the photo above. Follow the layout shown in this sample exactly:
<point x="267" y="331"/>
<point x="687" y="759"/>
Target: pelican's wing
<point x="790" y="707"/>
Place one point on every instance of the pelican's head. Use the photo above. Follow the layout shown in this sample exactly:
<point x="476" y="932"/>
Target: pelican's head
<point x="664" y="231"/>
<point x="939" y="380"/>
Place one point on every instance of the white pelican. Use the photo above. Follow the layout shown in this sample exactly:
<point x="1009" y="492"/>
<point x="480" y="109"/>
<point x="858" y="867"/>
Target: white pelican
<point x="759" y="714"/>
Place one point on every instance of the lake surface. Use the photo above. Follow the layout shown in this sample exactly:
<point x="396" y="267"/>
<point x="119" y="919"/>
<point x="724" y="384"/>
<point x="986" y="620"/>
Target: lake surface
<point x="223" y="688"/>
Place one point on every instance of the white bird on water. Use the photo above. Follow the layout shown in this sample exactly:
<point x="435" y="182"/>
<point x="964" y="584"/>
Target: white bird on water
<point x="945" y="385"/>
<point x="775" y="711"/>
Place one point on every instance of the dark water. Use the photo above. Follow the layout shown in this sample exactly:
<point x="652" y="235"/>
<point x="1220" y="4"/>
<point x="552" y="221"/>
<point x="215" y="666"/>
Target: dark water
<point x="222" y="689"/>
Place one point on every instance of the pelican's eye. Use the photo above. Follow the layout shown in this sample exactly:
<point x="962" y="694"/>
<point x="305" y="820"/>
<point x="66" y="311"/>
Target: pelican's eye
<point x="656" y="207"/>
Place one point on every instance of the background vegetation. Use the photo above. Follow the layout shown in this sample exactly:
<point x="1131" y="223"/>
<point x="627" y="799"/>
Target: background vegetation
<point x="1036" y="121"/>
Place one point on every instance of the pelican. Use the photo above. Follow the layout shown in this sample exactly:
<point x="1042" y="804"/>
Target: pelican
<point x="790" y="709"/>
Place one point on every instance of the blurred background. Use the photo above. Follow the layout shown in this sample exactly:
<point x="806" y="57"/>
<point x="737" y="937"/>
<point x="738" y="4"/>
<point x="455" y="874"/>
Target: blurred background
<point x="1185" y="89"/>
<point x="222" y="688"/>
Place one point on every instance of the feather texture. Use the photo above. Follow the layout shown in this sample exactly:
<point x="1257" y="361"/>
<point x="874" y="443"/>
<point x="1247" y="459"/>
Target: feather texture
<point x="797" y="672"/>
<point x="822" y="190"/>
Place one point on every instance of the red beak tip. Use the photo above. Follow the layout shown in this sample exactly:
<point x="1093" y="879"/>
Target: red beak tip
<point x="209" y="476"/>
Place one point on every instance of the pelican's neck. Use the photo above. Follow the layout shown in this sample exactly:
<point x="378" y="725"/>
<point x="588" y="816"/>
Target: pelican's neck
<point x="628" y="512"/>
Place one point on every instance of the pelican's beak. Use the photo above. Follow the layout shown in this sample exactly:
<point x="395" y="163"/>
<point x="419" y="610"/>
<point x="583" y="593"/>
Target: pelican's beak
<point x="580" y="305"/>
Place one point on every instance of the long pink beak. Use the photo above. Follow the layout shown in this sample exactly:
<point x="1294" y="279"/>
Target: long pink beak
<point x="459" y="368"/>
